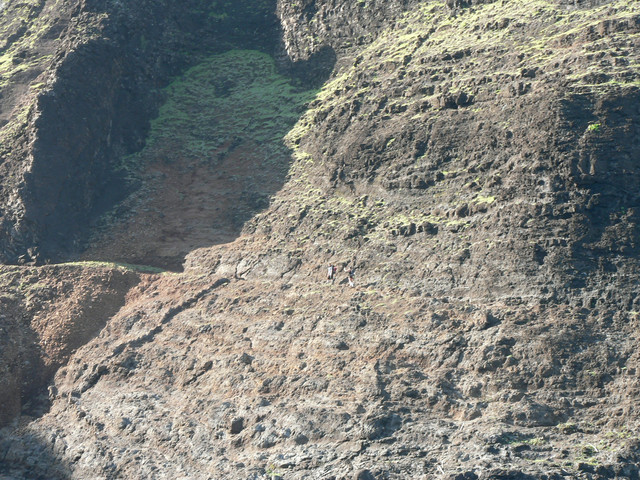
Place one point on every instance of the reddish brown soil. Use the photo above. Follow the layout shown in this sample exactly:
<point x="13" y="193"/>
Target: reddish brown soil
<point x="183" y="207"/>
<point x="47" y="313"/>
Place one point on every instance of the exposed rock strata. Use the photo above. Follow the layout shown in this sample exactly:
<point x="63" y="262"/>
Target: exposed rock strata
<point x="46" y="315"/>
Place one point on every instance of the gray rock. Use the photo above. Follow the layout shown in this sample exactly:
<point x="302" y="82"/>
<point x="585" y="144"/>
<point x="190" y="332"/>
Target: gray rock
<point x="363" y="475"/>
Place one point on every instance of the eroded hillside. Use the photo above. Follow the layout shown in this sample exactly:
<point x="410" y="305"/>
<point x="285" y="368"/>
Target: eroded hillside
<point x="474" y="161"/>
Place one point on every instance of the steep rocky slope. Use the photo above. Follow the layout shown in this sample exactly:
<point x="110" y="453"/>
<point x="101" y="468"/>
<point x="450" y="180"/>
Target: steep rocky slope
<point x="46" y="314"/>
<point x="466" y="126"/>
<point x="475" y="162"/>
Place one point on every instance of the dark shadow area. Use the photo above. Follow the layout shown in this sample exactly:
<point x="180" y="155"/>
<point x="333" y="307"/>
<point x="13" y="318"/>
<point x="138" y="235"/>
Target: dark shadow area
<point x="22" y="398"/>
<point x="27" y="457"/>
<point x="98" y="110"/>
<point x="315" y="71"/>
<point x="215" y="156"/>
<point x="604" y="167"/>
<point x="21" y="365"/>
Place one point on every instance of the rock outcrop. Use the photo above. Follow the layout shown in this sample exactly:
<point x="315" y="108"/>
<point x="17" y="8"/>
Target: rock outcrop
<point x="47" y="314"/>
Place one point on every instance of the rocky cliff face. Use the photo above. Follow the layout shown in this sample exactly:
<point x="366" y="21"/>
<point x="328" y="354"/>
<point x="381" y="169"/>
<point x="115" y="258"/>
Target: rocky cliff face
<point x="80" y="98"/>
<point x="488" y="145"/>
<point x="474" y="161"/>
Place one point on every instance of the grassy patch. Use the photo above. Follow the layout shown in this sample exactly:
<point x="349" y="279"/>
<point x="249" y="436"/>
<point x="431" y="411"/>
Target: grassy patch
<point x="225" y="101"/>
<point x="594" y="127"/>
<point x="485" y="199"/>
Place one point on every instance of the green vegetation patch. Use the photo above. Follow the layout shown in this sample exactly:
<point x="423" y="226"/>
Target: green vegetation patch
<point x="222" y="103"/>
<point x="594" y="127"/>
<point x="485" y="199"/>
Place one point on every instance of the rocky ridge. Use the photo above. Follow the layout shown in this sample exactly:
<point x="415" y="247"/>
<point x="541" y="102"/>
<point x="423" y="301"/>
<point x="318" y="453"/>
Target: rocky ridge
<point x="475" y="162"/>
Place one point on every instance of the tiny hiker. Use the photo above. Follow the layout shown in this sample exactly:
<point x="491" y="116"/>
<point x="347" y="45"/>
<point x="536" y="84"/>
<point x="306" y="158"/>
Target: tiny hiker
<point x="331" y="272"/>
<point x="350" y="276"/>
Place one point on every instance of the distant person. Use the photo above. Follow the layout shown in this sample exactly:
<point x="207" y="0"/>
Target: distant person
<point x="331" y="271"/>
<point x="351" y="277"/>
